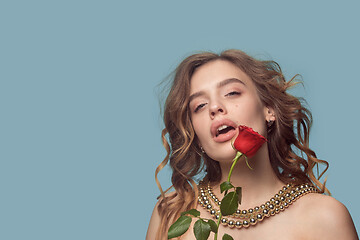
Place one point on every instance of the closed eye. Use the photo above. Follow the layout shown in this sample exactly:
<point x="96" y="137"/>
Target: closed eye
<point x="199" y="107"/>
<point x="233" y="93"/>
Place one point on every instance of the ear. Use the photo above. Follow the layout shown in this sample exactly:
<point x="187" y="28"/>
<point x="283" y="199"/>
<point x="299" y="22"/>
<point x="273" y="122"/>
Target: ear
<point x="269" y="114"/>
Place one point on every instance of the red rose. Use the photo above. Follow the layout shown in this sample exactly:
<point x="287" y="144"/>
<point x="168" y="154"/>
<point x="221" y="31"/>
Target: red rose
<point x="248" y="141"/>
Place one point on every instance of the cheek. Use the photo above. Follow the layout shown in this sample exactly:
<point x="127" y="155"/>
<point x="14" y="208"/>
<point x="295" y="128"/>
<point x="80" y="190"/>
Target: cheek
<point x="200" y="131"/>
<point x="247" y="110"/>
<point x="198" y="126"/>
<point x="250" y="113"/>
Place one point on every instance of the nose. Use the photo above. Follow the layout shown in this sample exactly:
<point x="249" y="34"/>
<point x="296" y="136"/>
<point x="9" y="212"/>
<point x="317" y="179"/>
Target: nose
<point x="216" y="109"/>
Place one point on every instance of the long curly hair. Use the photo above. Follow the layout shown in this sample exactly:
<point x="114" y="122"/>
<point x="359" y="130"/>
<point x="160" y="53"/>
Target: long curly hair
<point x="288" y="138"/>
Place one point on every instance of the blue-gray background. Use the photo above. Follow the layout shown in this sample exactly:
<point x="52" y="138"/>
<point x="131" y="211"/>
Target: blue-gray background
<point x="80" y="122"/>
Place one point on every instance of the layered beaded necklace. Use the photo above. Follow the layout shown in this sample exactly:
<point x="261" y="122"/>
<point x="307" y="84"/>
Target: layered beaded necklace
<point x="245" y="218"/>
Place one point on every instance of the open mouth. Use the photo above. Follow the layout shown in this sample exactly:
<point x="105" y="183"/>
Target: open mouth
<point x="223" y="129"/>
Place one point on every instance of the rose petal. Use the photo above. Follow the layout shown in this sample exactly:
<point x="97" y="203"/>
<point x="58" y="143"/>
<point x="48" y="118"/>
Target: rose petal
<point x="248" y="141"/>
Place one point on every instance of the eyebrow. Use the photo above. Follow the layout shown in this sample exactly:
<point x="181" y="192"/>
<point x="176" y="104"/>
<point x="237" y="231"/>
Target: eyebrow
<point x="219" y="85"/>
<point x="228" y="81"/>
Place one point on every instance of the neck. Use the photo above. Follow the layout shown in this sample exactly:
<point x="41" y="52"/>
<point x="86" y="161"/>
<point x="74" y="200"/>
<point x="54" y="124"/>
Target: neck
<point x="258" y="185"/>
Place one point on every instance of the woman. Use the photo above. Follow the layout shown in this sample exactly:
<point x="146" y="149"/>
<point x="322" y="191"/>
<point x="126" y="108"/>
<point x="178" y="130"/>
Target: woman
<point x="210" y="96"/>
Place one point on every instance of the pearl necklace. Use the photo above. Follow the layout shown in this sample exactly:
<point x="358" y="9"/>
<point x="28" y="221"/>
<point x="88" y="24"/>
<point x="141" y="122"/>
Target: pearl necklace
<point x="278" y="203"/>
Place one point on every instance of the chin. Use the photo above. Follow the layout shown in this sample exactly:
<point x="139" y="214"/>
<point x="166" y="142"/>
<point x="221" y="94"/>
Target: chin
<point x="228" y="157"/>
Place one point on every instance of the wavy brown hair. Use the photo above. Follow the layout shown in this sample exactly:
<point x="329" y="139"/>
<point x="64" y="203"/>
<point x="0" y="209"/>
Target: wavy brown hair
<point x="288" y="139"/>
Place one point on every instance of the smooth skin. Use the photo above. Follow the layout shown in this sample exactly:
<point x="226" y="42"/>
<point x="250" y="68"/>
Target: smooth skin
<point x="313" y="216"/>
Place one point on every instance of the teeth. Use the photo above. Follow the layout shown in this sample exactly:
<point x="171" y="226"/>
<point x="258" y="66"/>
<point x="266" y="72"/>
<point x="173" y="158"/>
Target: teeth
<point x="222" y="127"/>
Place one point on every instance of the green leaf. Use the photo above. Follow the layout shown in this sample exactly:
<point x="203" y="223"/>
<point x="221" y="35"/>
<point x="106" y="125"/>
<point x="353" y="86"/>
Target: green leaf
<point x="239" y="193"/>
<point x="225" y="186"/>
<point x="227" y="237"/>
<point x="213" y="226"/>
<point x="201" y="230"/>
<point x="179" y="227"/>
<point x="229" y="204"/>
<point x="192" y="212"/>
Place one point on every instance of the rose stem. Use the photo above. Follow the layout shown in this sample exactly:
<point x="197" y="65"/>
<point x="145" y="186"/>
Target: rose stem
<point x="236" y="159"/>
<point x="218" y="224"/>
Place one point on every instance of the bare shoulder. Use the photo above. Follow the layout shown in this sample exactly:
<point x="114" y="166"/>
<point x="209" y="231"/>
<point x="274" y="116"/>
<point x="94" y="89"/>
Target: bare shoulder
<point x="155" y="220"/>
<point x="324" y="217"/>
<point x="154" y="223"/>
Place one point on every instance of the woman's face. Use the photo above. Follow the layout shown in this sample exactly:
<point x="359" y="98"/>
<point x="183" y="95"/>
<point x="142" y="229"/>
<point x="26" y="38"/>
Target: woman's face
<point x="223" y="97"/>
